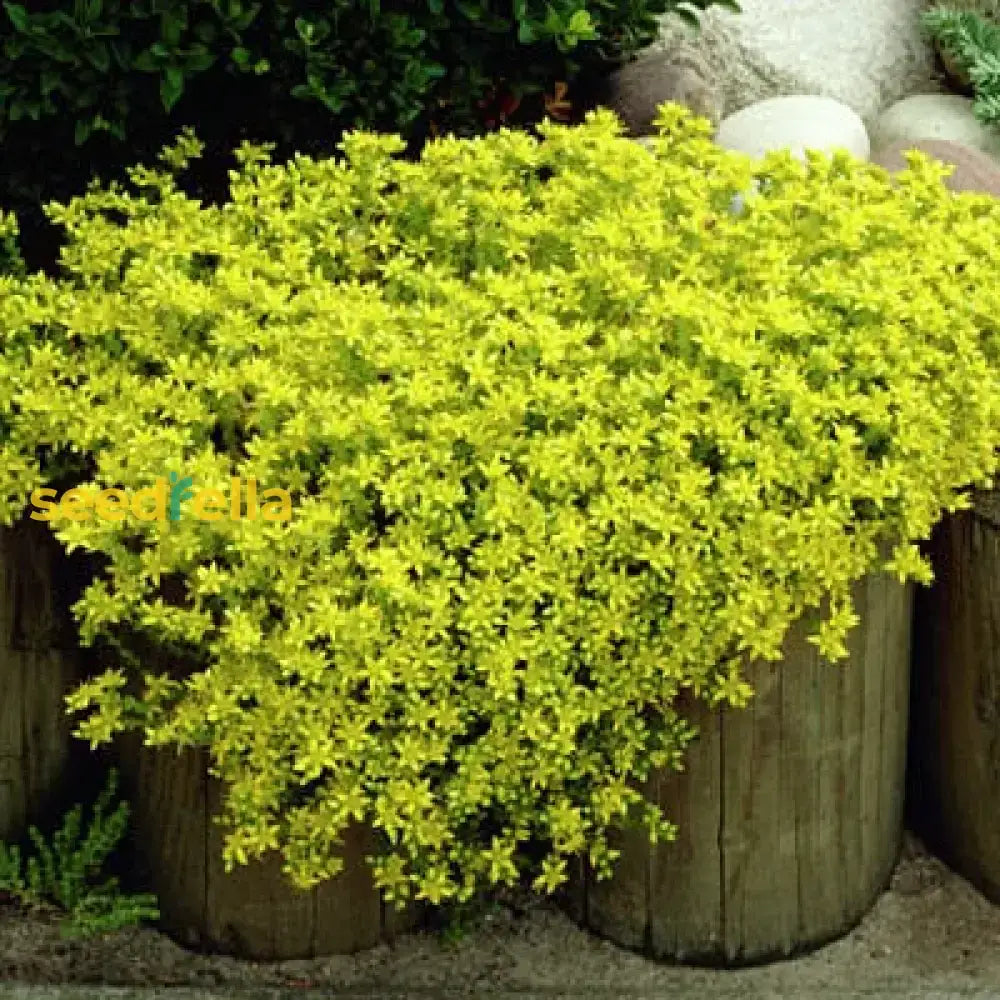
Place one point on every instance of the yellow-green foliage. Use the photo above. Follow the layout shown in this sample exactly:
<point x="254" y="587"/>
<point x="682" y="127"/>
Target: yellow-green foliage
<point x="565" y="437"/>
<point x="10" y="256"/>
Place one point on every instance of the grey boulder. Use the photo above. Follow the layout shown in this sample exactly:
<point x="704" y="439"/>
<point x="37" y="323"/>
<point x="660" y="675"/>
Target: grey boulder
<point x="679" y="76"/>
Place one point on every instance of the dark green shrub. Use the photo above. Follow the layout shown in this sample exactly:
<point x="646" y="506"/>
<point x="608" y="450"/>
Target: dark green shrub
<point x="11" y="261"/>
<point x="99" y="73"/>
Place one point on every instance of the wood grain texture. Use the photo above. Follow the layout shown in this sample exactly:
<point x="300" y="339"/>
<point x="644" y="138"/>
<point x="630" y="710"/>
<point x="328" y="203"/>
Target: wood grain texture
<point x="790" y="811"/>
<point x="40" y="761"/>
<point x="955" y="744"/>
<point x="253" y="911"/>
<point x="690" y="870"/>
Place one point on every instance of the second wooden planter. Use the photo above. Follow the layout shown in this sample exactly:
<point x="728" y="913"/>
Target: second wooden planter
<point x="954" y="780"/>
<point x="42" y="767"/>
<point x="789" y="811"/>
<point x="254" y="911"/>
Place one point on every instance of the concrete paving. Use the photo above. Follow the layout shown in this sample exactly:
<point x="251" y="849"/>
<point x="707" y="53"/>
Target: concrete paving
<point x="902" y="992"/>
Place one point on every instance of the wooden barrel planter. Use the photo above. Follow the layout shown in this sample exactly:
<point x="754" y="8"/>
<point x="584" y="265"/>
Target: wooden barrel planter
<point x="41" y="764"/>
<point x="954" y="783"/>
<point x="789" y="811"/>
<point x="253" y="912"/>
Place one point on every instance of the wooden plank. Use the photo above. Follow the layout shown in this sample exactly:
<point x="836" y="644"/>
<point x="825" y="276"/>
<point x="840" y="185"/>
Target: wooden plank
<point x="813" y="728"/>
<point x="169" y="797"/>
<point x="872" y="731"/>
<point x="944" y="603"/>
<point x="349" y="912"/>
<point x="736" y="824"/>
<point x="972" y="718"/>
<point x="11" y="694"/>
<point x="852" y="699"/>
<point x="32" y="560"/>
<point x="396" y="922"/>
<point x="755" y="908"/>
<point x="801" y="735"/>
<point x="898" y="601"/>
<point x="8" y="588"/>
<point x="54" y="761"/>
<point x="36" y="732"/>
<point x="619" y="907"/>
<point x="827" y="896"/>
<point x="572" y="898"/>
<point x="939" y="626"/>
<point x="46" y="767"/>
<point x="983" y="848"/>
<point x="13" y="803"/>
<point x="956" y="751"/>
<point x="685" y="893"/>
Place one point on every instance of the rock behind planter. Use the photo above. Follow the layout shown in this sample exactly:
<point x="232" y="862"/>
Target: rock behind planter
<point x="934" y="116"/>
<point x="973" y="170"/>
<point x="954" y="780"/>
<point x="253" y="912"/>
<point x="789" y="811"/>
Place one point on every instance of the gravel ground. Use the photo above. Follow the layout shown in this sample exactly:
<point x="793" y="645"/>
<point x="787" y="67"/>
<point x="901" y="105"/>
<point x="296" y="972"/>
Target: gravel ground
<point x="931" y="934"/>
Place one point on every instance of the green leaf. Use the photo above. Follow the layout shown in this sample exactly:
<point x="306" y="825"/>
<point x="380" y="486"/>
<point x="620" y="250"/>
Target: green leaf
<point x="145" y="63"/>
<point x="18" y="15"/>
<point x="49" y="81"/>
<point x="580" y="23"/>
<point x="198" y="61"/>
<point x="206" y="32"/>
<point x="121" y="52"/>
<point x="470" y="11"/>
<point x="689" y="17"/>
<point x="171" y="86"/>
<point x="553" y="23"/>
<point x="99" y="57"/>
<point x="172" y="25"/>
<point x="87" y="11"/>
<point x="82" y="132"/>
<point x="304" y="29"/>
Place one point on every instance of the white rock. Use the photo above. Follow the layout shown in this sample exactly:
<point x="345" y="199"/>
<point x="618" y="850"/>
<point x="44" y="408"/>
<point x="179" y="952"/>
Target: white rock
<point x="935" y="116"/>
<point x="864" y="53"/>
<point x="795" y="123"/>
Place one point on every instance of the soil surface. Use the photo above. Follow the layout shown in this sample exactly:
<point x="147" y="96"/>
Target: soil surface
<point x="929" y="930"/>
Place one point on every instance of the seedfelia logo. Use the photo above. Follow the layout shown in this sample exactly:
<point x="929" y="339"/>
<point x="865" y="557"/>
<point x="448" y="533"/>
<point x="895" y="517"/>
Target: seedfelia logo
<point x="162" y="502"/>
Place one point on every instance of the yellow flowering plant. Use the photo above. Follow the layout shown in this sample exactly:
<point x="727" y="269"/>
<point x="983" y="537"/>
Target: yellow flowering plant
<point x="566" y="436"/>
